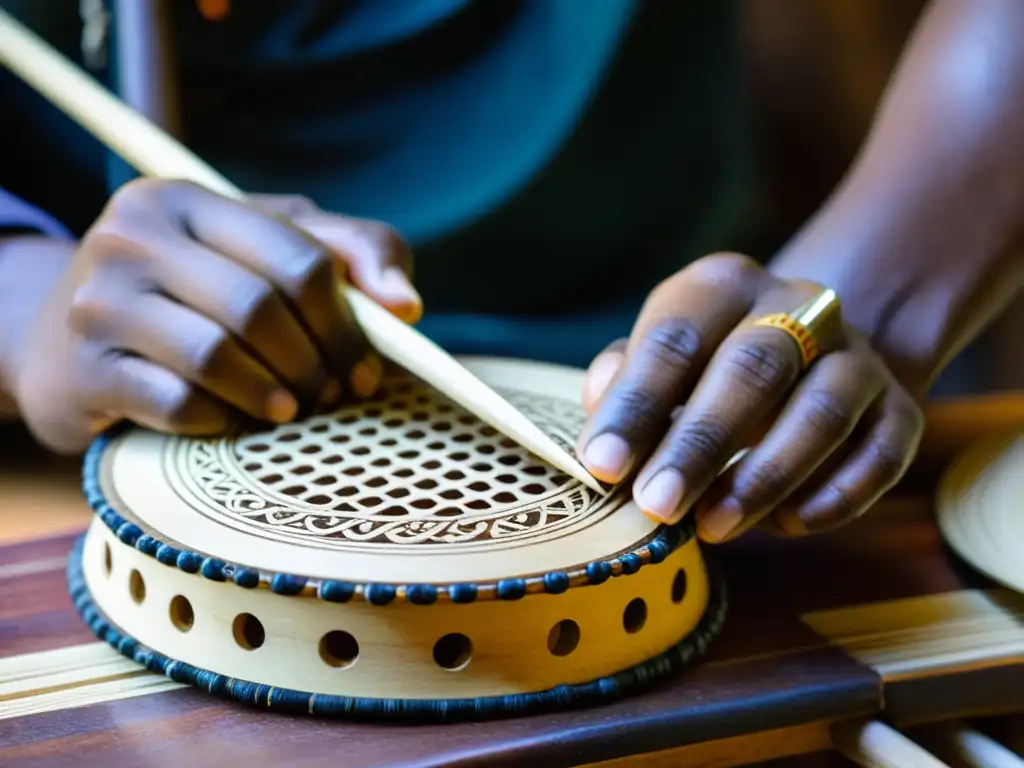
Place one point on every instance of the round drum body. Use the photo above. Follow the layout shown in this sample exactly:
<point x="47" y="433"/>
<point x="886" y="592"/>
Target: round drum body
<point x="397" y="557"/>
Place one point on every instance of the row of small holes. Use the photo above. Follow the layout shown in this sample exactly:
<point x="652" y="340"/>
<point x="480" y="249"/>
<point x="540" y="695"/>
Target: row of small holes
<point x="340" y="649"/>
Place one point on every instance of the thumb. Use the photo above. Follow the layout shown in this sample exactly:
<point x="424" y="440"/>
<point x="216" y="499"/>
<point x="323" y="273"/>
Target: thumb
<point x="376" y="259"/>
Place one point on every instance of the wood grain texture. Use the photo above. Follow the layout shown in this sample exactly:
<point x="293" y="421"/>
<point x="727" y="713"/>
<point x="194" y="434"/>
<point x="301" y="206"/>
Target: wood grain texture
<point x="749" y="749"/>
<point x="714" y="702"/>
<point x="768" y="671"/>
<point x="769" y="679"/>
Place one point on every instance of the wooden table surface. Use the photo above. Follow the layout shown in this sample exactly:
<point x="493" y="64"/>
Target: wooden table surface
<point x="770" y="687"/>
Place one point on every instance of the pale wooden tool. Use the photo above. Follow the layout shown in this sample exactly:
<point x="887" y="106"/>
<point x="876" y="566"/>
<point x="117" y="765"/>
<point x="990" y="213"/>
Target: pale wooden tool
<point x="154" y="153"/>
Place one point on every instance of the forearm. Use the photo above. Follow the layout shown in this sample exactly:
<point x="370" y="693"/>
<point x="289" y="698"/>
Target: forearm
<point x="924" y="241"/>
<point x="31" y="267"/>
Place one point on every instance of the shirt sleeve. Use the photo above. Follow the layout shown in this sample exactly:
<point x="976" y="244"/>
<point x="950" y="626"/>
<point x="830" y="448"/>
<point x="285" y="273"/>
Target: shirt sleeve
<point x="18" y="216"/>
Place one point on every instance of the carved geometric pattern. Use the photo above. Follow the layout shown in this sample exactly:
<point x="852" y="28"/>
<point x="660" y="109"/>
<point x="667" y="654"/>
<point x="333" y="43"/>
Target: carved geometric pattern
<point x="406" y="467"/>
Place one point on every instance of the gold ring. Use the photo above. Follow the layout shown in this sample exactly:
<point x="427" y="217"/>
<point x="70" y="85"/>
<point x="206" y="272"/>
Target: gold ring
<point x="804" y="324"/>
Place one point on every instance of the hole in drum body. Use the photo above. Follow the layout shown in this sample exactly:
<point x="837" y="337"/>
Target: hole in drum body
<point x="564" y="637"/>
<point x="248" y="631"/>
<point x="679" y="586"/>
<point x="136" y="586"/>
<point x="182" y="615"/>
<point x="108" y="559"/>
<point x="339" y="649"/>
<point x="635" y="615"/>
<point x="453" y="651"/>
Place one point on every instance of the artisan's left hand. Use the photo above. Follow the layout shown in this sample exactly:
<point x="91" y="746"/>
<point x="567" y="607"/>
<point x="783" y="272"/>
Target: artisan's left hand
<point x="698" y="381"/>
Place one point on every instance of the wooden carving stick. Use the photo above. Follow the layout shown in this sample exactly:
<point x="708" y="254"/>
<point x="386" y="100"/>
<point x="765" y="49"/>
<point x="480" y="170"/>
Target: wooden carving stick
<point x="154" y="153"/>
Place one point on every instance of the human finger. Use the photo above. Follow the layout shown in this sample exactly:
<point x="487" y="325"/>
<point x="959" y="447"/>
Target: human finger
<point x="287" y="206"/>
<point x="601" y="371"/>
<point x="152" y="396"/>
<point x="157" y="258"/>
<point x="186" y="343"/>
<point x="683" y="322"/>
<point x="377" y="260"/>
<point x="299" y="267"/>
<point x="820" y="415"/>
<point x="873" y="467"/>
<point x="749" y="375"/>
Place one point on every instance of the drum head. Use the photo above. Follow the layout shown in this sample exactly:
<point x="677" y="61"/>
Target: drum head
<point x="407" y="487"/>
<point x="981" y="508"/>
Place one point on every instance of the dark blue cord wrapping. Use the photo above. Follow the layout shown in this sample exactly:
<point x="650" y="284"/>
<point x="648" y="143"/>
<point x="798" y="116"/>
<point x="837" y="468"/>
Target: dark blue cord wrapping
<point x="557" y="699"/>
<point x="665" y="541"/>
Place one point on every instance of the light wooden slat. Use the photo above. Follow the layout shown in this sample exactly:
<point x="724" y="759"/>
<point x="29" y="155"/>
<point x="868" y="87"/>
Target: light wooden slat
<point x="921" y="636"/>
<point x="83" y="696"/>
<point x="31" y="665"/>
<point x="76" y="676"/>
<point x="33" y="567"/>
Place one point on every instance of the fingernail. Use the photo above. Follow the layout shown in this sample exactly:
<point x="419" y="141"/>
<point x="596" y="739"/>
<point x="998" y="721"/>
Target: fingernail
<point x="602" y="371"/>
<point x="607" y="457"/>
<point x="330" y="393"/>
<point x="281" y="406"/>
<point x="395" y="288"/>
<point x="721" y="521"/>
<point x="662" y="495"/>
<point x="366" y="375"/>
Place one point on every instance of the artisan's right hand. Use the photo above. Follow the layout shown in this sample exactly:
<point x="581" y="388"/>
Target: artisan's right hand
<point x="184" y="311"/>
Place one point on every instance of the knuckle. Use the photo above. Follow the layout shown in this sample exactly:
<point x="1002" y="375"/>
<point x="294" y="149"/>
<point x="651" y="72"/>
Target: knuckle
<point x="765" y="482"/>
<point x="382" y="243"/>
<point x="763" y="367"/>
<point x="829" y="414"/>
<point x="384" y="236"/>
<point x="290" y="206"/>
<point x="674" y="341"/>
<point x="637" y="411"/>
<point x="172" y="402"/>
<point x="132" y="194"/>
<point x="166" y="396"/>
<point x="307" y="268"/>
<point x="318" y="276"/>
<point x="205" y="350"/>
<point x="838" y="503"/>
<point x="704" y="441"/>
<point x="88" y="314"/>
<point x="727" y="268"/>
<point x="250" y="301"/>
<point x="111" y="244"/>
<point x="143" y="194"/>
<point x="888" y="461"/>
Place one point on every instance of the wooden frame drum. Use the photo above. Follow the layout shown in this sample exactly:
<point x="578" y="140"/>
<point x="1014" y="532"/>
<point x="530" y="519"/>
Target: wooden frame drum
<point x="396" y="558"/>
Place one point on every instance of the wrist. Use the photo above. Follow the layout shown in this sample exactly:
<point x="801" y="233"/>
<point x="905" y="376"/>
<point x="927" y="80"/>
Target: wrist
<point x="31" y="266"/>
<point x="917" y="306"/>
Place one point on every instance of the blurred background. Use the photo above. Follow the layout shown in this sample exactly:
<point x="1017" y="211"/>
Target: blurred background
<point x="812" y="73"/>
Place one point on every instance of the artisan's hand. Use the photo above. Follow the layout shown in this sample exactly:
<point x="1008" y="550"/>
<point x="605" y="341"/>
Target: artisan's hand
<point x="184" y="311"/>
<point x="697" y="382"/>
